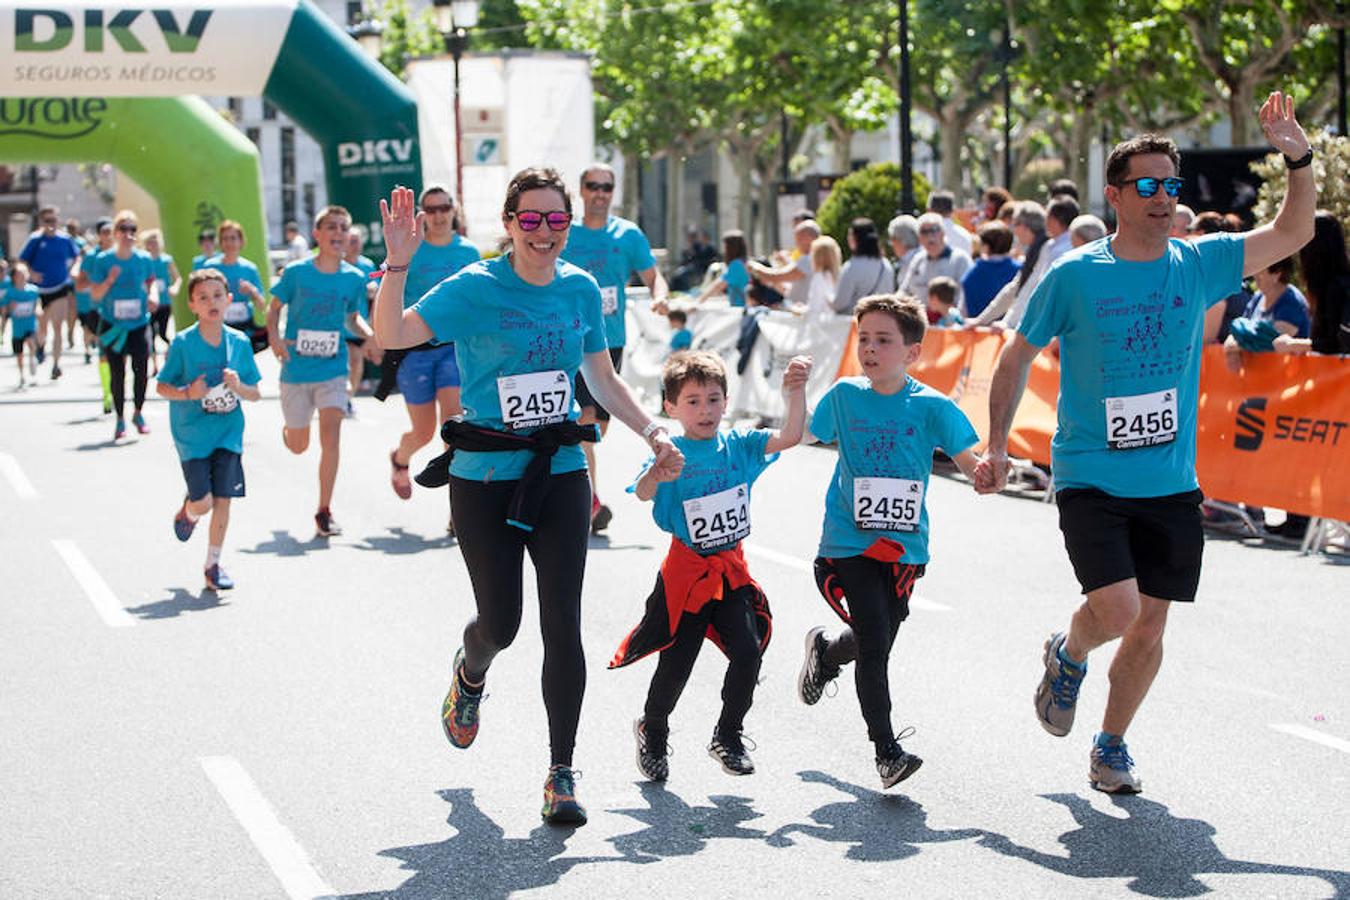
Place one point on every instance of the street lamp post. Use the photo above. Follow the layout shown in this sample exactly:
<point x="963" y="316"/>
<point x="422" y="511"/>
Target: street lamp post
<point x="453" y="18"/>
<point x="906" y="141"/>
<point x="1004" y="54"/>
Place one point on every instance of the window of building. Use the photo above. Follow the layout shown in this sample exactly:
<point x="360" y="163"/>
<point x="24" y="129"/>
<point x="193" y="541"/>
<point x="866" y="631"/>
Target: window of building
<point x="307" y="193"/>
<point x="254" y="135"/>
<point x="236" y="107"/>
<point x="269" y="111"/>
<point x="287" y="174"/>
<point x="354" y="13"/>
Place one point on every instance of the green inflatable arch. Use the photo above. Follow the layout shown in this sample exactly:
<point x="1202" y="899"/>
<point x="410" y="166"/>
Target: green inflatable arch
<point x="116" y="86"/>
<point x="197" y="166"/>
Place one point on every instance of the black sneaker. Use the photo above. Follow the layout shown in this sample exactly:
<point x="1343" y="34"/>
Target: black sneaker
<point x="894" y="765"/>
<point x="325" y="525"/>
<point x="729" y="750"/>
<point x="815" y="673"/>
<point x="653" y="762"/>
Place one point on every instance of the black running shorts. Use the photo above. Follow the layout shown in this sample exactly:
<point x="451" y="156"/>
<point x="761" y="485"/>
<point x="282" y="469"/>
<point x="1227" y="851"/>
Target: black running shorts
<point x="1157" y="540"/>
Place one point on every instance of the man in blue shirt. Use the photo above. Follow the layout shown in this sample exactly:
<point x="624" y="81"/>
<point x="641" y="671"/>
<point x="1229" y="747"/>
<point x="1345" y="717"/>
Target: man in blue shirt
<point x="1128" y="311"/>
<point x="611" y="249"/>
<point x="50" y="255"/>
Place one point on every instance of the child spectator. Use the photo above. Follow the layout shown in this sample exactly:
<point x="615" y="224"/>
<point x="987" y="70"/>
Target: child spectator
<point x="874" y="541"/>
<point x="942" y="311"/>
<point x="704" y="588"/>
<point x="992" y="270"/>
<point x="681" y="338"/>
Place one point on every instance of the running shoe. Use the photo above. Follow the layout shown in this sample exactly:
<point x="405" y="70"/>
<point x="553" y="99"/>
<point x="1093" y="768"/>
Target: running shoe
<point x="894" y="765"/>
<point x="32" y="364"/>
<point x="56" y="372"/>
<point x="459" y="712"/>
<point x="86" y="357"/>
<point x="41" y="354"/>
<point x="652" y="761"/>
<point x="139" y="421"/>
<point x="601" y="516"/>
<point x="217" y="580"/>
<point x="560" y="798"/>
<point x="398" y="477"/>
<point x="325" y="525"/>
<point x="1112" y="770"/>
<point x="182" y="525"/>
<point x="816" y="673"/>
<point x="729" y="750"/>
<point x="349" y="412"/>
<point x="1057" y="694"/>
<point x="120" y="431"/>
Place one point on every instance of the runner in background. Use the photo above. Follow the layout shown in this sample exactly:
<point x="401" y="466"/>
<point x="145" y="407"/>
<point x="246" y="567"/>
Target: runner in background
<point x="244" y="283"/>
<point x="50" y="255"/>
<point x="103" y="230"/>
<point x="359" y="350"/>
<point x="167" y="283"/>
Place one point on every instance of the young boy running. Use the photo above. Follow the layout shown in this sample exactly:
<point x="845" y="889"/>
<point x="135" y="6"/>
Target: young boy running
<point x="874" y="541"/>
<point x="321" y="293"/>
<point x="704" y="587"/>
<point x="20" y="299"/>
<point x="208" y="370"/>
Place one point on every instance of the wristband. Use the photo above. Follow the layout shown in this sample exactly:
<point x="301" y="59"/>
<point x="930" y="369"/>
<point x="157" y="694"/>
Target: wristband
<point x="652" y="428"/>
<point x="388" y="268"/>
<point x="1304" y="160"/>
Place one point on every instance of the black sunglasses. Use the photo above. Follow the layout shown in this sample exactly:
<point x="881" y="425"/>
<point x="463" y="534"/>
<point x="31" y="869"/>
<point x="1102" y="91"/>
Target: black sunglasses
<point x="439" y="208"/>
<point x="1147" y="187"/>
<point x="606" y="187"/>
<point x="531" y="219"/>
<point x="127" y="229"/>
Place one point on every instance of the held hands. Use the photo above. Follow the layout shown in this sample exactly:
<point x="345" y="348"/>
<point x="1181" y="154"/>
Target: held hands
<point x="197" y="389"/>
<point x="1281" y="128"/>
<point x="281" y="351"/>
<point x="669" y="460"/>
<point x="991" y="473"/>
<point x="797" y="372"/>
<point x="403" y="226"/>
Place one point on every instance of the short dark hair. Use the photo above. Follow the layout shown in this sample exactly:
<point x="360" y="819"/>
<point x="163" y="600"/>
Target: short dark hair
<point x="1063" y="209"/>
<point x="803" y="215"/>
<point x="677" y="315"/>
<point x="1283" y="268"/>
<point x="1118" y="162"/>
<point x="1210" y="222"/>
<point x="996" y="237"/>
<point x="534" y="179"/>
<point x="435" y="189"/>
<point x="865" y="239"/>
<point x="199" y="276"/>
<point x="909" y="314"/>
<point x="734" y="246"/>
<point x="1063" y="187"/>
<point x="996" y="194"/>
<point x="944" y="289"/>
<point x="942" y="202"/>
<point x="702" y="366"/>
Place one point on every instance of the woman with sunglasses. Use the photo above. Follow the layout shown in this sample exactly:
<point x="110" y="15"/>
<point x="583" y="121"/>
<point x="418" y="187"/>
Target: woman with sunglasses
<point x="428" y="376"/>
<point x="122" y="281"/>
<point x="523" y="324"/>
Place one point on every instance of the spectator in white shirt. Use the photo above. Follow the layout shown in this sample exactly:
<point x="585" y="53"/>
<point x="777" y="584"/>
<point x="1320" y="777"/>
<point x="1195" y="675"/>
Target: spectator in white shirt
<point x="903" y="234"/>
<point x="944" y="204"/>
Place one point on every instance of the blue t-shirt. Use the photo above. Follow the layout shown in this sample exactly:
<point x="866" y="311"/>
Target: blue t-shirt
<point x="1291" y="307"/>
<point x="317" y="304"/>
<point x="431" y="265"/>
<point x="985" y="279"/>
<point x="1130" y="335"/>
<point x="50" y="257"/>
<point x="163" y="278"/>
<point x="366" y="265"/>
<point x="240" y="313"/>
<point x="886" y="444"/>
<point x="503" y="326"/>
<point x="22" y="303"/>
<point x="737" y="279"/>
<point x="725" y="465"/>
<point x="125" y="303"/>
<point x="681" y="340"/>
<point x="611" y="254"/>
<point x="196" y="432"/>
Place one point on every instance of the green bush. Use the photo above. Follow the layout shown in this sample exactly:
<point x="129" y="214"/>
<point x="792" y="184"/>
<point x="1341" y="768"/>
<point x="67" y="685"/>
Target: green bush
<point x="872" y="192"/>
<point x="1331" y="168"/>
<point x="1034" y="181"/>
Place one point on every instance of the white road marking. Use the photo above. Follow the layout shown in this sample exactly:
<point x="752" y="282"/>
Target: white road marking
<point x="1316" y="737"/>
<point x="23" y="488"/>
<point x="95" y="588"/>
<point x="274" y="841"/>
<point x="793" y="562"/>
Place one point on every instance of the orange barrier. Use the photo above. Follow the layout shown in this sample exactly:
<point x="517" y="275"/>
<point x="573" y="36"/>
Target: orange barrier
<point x="1276" y="434"/>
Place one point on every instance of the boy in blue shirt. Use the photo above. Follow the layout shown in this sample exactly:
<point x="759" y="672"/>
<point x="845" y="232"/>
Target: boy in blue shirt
<point x="208" y="370"/>
<point x="874" y="541"/>
<point x="704" y="587"/>
<point x="322" y="294"/>
<point x="681" y="338"/>
<point x="19" y="299"/>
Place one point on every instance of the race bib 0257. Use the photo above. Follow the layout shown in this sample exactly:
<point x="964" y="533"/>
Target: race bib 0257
<point x="316" y="343"/>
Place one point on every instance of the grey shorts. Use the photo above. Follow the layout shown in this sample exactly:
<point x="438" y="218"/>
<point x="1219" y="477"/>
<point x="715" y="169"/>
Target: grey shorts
<point x="298" y="401"/>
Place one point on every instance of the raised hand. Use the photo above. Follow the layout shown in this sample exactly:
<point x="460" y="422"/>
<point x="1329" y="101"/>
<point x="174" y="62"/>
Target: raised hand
<point x="1281" y="127"/>
<point x="796" y="375"/>
<point x="403" y="226"/>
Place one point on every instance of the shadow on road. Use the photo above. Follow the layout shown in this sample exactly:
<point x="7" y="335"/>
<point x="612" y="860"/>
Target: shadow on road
<point x="880" y="827"/>
<point x="1159" y="852"/>
<point x="180" y="601"/>
<point x="103" y="445"/>
<point x="674" y="828"/>
<point x="87" y="420"/>
<point x="478" y="861"/>
<point x="283" y="544"/>
<point x="400" y="542"/>
<point x="603" y="542"/>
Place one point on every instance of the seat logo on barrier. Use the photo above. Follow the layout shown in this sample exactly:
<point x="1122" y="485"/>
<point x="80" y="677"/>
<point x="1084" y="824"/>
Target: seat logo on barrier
<point x="1251" y="424"/>
<point x="1250" y="427"/>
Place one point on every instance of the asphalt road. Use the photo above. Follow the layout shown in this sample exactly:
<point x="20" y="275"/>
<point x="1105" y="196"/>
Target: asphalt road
<point x="282" y="739"/>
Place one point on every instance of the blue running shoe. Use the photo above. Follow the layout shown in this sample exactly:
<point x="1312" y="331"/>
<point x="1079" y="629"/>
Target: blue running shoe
<point x="1057" y="694"/>
<point x="182" y="525"/>
<point x="1112" y="770"/>
<point x="217" y="580"/>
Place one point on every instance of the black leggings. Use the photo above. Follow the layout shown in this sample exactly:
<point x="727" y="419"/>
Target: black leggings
<point x="494" y="552"/>
<point x="877" y="612"/>
<point x="138" y="349"/>
<point x="159" y="321"/>
<point x="735" y="622"/>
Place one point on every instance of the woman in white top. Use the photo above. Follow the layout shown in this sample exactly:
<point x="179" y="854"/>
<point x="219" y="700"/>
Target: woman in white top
<point x="826" y="260"/>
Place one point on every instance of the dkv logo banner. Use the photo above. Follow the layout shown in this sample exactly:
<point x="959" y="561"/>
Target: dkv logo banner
<point x="83" y="49"/>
